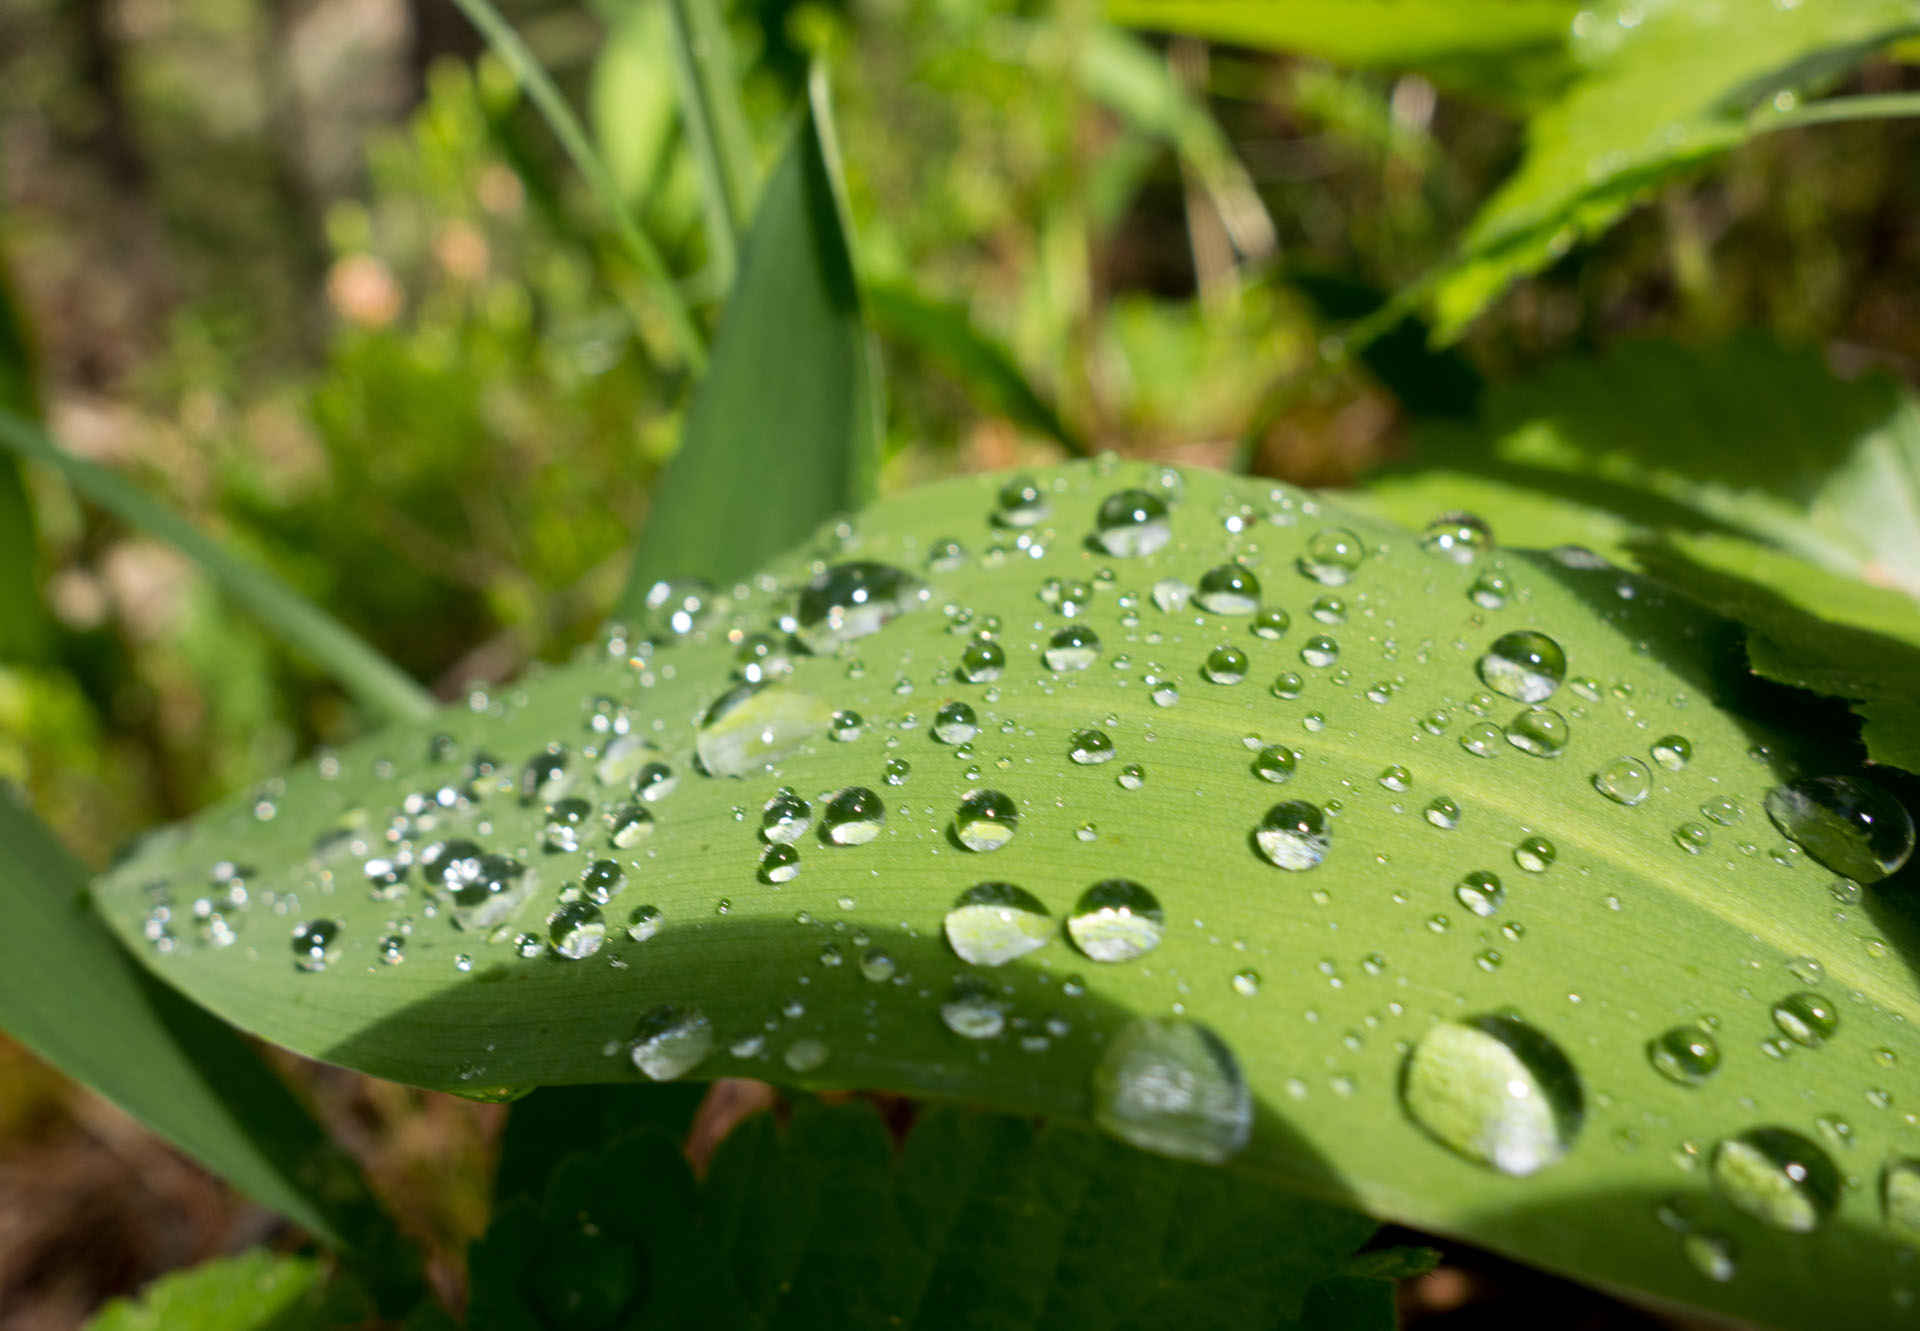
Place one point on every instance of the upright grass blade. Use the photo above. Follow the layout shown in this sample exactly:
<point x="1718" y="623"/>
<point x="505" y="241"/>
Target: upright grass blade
<point x="23" y="620"/>
<point x="784" y="431"/>
<point x="379" y="684"/>
<point x="70" y="993"/>
<point x="566" y="127"/>
<point x="716" y="126"/>
<point x="943" y="332"/>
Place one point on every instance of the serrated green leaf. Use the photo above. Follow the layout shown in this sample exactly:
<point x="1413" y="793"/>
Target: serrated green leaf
<point x="555" y="1121"/>
<point x="1505" y="47"/>
<point x="1664" y="85"/>
<point x="984" y="1222"/>
<point x="1623" y="936"/>
<point x="943" y="331"/>
<point x="255" y="1291"/>
<point x="70" y="993"/>
<point x="788" y="410"/>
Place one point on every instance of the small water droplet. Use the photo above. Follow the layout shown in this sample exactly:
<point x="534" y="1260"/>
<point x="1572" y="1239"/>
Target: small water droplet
<point x="1227" y="590"/>
<point x="1535" y="854"/>
<point x="1692" y="837"/>
<point x="973" y="1010"/>
<point x="576" y="930"/>
<point x="1225" y="665"/>
<point x="1287" y="685"/>
<point x="670" y="1041"/>
<point x="1713" y="1255"/>
<point x="1672" y="752"/>
<point x="1458" y="537"/>
<point x="1333" y="556"/>
<point x="1294" y="835"/>
<point x="1491" y="590"/>
<point x="786" y="817"/>
<point x="1806" y="1018"/>
<point x="853" y="817"/>
<point x="1022" y="504"/>
<point x="1116" y="920"/>
<point x="985" y="820"/>
<point x="1524" y="665"/>
<point x="1320" y="651"/>
<point x="1624" y="781"/>
<point x="1540" y="731"/>
<point x="1480" y="892"/>
<point x="1778" y="1177"/>
<point x="602" y="881"/>
<point x="1132" y="776"/>
<point x="643" y="923"/>
<point x="1482" y="739"/>
<point x="1074" y="647"/>
<point x="1132" y="523"/>
<point x="1272" y="623"/>
<point x="982" y="662"/>
<point x="316" y="944"/>
<point x="779" y="863"/>
<point x="1684" y="1055"/>
<point x="1246" y="983"/>
<point x="1443" y="813"/>
<point x="1329" y="609"/>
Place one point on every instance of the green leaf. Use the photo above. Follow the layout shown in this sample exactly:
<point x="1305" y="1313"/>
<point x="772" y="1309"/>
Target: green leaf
<point x="376" y="682"/>
<point x="255" y="1291"/>
<point x="983" y="1222"/>
<point x="23" y="618"/>
<point x="1506" y="47"/>
<point x="716" y="126"/>
<point x="1318" y="981"/>
<point x="943" y="331"/>
<point x="786" y="423"/>
<point x="553" y="1123"/>
<point x="1663" y="87"/>
<point x="71" y="994"/>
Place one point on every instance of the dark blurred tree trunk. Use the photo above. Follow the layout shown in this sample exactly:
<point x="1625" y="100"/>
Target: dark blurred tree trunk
<point x="294" y="196"/>
<point x="439" y="31"/>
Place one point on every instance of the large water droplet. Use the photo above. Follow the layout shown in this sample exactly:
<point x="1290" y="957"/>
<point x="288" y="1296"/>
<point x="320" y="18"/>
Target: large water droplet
<point x="1333" y="555"/>
<point x="1806" y="1018"/>
<point x="1228" y="590"/>
<point x="992" y="923"/>
<point x="853" y="817"/>
<point x="671" y="1041"/>
<point x="1778" y="1177"/>
<point x="1540" y="731"/>
<point x="576" y="930"/>
<point x="1851" y="826"/>
<point x="973" y="1009"/>
<point x="1074" y="647"/>
<point x="1090" y="747"/>
<point x="1173" y="1087"/>
<point x="628" y="826"/>
<point x="1524" y="665"/>
<point x="1116" y="920"/>
<point x="1495" y="1090"/>
<point x="779" y="863"/>
<point x="985" y="820"/>
<point x="1132" y="523"/>
<point x="1459" y="537"/>
<point x="1624" y="781"/>
<point x="752" y="725"/>
<point x="316" y="943"/>
<point x="850" y="601"/>
<point x="1685" y="1055"/>
<point x="786" y="817"/>
<point x="1294" y="835"/>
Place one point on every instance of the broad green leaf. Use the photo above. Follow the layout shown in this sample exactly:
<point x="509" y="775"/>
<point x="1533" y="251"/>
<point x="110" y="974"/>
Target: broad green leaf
<point x="786" y="423"/>
<point x="255" y="1291"/>
<point x="1328" y="985"/>
<point x="983" y="1222"/>
<point x="71" y="994"/>
<point x="943" y="332"/>
<point x="1825" y="469"/>
<point x="376" y="682"/>
<point x="557" y="1121"/>
<point x="1505" y="47"/>
<point x="1663" y="86"/>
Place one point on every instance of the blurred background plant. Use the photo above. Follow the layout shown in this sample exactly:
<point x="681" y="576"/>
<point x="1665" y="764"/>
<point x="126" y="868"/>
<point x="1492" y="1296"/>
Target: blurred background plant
<point x="315" y="271"/>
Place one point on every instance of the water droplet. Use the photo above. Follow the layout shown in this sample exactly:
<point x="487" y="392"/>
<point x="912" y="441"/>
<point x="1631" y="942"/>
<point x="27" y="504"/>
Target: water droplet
<point x="1171" y="595"/>
<point x="1482" y="739"/>
<point x="1851" y="826"/>
<point x="1495" y="1090"/>
<point x="1535" y="854"/>
<point x="1540" y="731"/>
<point x="1287" y="685"/>
<point x="1672" y="752"/>
<point x="1685" y="1055"/>
<point x="846" y="727"/>
<point x="1116" y="920"/>
<point x="1225" y="665"/>
<point x="1294" y="835"/>
<point x="1900" y="1197"/>
<point x="851" y="601"/>
<point x="983" y="661"/>
<point x="565" y="819"/>
<point x="1480" y="892"/>
<point x="1333" y="555"/>
<point x="1246" y="983"/>
<point x="1173" y="1087"/>
<point x="602" y="881"/>
<point x="316" y="944"/>
<point x="1692" y="837"/>
<point x="1624" y="781"/>
<point x="973" y="1010"/>
<point x="1778" y="1177"/>
<point x="896" y="771"/>
<point x="990" y="924"/>
<point x="955" y="723"/>
<point x="1806" y="1018"/>
<point x="786" y="817"/>
<point x="985" y="820"/>
<point x="675" y="607"/>
<point x="1022" y="503"/>
<point x="1713" y="1255"/>
<point x="576" y="930"/>
<point x="752" y="725"/>
<point x="1443" y="813"/>
<point x="654" y="782"/>
<point x="1490" y="590"/>
<point x="1090" y="748"/>
<point x="1074" y="647"/>
<point x="628" y="826"/>
<point x="877" y="966"/>
<point x="1329" y="609"/>
<point x="393" y="949"/>
<point x="1320" y="651"/>
<point x="643" y="923"/>
<point x="1459" y="537"/>
<point x="1132" y="776"/>
<point x="546" y="777"/>
<point x="853" y="817"/>
<point x="1228" y="590"/>
<point x="779" y="863"/>
<point x="671" y="1041"/>
<point x="1524" y="665"/>
<point x="1132" y="523"/>
<point x="1272" y="623"/>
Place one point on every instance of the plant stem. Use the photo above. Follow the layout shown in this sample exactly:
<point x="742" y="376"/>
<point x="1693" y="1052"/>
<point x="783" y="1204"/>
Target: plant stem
<point x="716" y="126"/>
